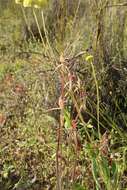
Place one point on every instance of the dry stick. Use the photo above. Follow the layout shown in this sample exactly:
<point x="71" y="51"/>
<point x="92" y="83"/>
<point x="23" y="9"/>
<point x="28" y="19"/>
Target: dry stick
<point x="60" y="131"/>
<point x="46" y="35"/>
<point x="39" y="30"/>
<point x="58" y="175"/>
<point x="79" y="114"/>
<point x="78" y="6"/>
<point x="44" y="28"/>
<point x="73" y="22"/>
<point x="59" y="140"/>
<point x="26" y="22"/>
<point x="50" y="52"/>
<point x="69" y="47"/>
<point x="117" y="5"/>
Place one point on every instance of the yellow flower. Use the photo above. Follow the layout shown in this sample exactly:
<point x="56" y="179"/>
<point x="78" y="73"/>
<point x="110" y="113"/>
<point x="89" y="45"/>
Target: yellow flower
<point x="33" y="3"/>
<point x="89" y="58"/>
<point x="28" y="3"/>
<point x="40" y="3"/>
<point x="18" y="1"/>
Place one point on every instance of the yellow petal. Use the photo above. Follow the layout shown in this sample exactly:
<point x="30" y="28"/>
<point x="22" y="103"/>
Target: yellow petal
<point x="18" y="1"/>
<point x="89" y="58"/>
<point x="40" y="3"/>
<point x="28" y="3"/>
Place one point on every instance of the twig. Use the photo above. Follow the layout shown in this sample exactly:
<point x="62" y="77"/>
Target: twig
<point x="76" y="56"/>
<point x="117" y="5"/>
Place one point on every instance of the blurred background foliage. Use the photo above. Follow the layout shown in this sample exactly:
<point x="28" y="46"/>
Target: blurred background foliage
<point x="30" y="85"/>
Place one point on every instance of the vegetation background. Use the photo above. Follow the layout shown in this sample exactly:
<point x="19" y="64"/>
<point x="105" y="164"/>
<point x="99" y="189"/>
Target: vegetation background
<point x="63" y="95"/>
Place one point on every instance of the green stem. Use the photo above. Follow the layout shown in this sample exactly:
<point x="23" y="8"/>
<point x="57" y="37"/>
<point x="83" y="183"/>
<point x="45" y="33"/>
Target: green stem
<point x="98" y="101"/>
